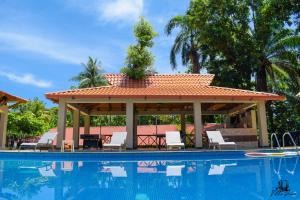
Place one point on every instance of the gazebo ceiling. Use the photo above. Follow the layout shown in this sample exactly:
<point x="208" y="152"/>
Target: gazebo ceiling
<point x="159" y="108"/>
<point x="6" y="98"/>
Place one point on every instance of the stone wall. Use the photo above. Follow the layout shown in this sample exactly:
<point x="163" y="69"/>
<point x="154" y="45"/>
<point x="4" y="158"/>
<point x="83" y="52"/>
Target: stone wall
<point x="244" y="137"/>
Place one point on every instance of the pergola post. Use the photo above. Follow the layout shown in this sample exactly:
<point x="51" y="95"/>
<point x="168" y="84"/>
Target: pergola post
<point x="198" y="123"/>
<point x="183" y="126"/>
<point x="3" y="125"/>
<point x="129" y="124"/>
<point x="61" y="124"/>
<point x="262" y="121"/>
<point x="87" y="124"/>
<point x="76" y="118"/>
<point x="253" y="120"/>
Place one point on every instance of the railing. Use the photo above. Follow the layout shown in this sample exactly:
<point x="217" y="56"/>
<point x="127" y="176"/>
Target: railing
<point x="154" y="140"/>
<point x="292" y="139"/>
<point x="277" y="141"/>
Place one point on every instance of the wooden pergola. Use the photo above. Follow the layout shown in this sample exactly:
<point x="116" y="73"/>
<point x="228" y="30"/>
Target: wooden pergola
<point x="178" y="94"/>
<point x="6" y="101"/>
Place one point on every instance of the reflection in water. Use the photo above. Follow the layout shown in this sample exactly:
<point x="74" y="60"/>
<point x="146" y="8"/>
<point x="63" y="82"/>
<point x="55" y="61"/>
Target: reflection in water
<point x="145" y="180"/>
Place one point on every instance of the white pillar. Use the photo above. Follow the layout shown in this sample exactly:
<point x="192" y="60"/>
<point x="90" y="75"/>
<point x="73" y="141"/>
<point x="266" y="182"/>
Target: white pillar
<point x="198" y="123"/>
<point x="129" y="124"/>
<point x="76" y="118"/>
<point x="3" y="125"/>
<point x="253" y="120"/>
<point x="262" y="121"/>
<point x="87" y="125"/>
<point x="61" y="124"/>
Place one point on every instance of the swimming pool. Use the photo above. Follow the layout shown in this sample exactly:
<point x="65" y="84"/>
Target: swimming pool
<point x="147" y="176"/>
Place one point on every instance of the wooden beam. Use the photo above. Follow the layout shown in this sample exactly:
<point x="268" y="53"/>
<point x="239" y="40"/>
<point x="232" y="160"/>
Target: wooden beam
<point x="240" y="108"/>
<point x="82" y="110"/>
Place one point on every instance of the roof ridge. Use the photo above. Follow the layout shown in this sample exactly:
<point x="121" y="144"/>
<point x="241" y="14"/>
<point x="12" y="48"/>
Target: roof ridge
<point x="79" y="89"/>
<point x="241" y="90"/>
<point x="183" y="74"/>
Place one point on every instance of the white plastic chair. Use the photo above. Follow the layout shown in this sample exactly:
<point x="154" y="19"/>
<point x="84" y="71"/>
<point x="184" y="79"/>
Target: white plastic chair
<point x="117" y="140"/>
<point x="173" y="139"/>
<point x="216" y="139"/>
<point x="67" y="142"/>
<point x="46" y="140"/>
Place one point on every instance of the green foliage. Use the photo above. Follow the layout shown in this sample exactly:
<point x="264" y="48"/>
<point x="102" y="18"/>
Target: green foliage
<point x="192" y="54"/>
<point x="91" y="76"/>
<point x="139" y="59"/>
<point x="30" y="119"/>
<point x="249" y="45"/>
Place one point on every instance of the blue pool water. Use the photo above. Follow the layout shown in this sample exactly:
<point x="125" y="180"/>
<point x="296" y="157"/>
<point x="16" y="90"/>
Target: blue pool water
<point x="153" y="176"/>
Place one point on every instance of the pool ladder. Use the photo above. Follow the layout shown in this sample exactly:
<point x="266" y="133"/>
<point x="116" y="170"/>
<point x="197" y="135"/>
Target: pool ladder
<point x="276" y="139"/>
<point x="283" y="140"/>
<point x="292" y="139"/>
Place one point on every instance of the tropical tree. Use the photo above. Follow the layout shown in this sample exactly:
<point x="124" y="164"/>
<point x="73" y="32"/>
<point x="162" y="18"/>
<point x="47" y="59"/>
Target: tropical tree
<point x="91" y="76"/>
<point x="248" y="37"/>
<point x="192" y="53"/>
<point x="139" y="59"/>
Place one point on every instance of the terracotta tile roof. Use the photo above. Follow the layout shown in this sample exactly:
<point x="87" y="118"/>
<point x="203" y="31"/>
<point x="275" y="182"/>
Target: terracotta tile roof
<point x="11" y="98"/>
<point x="195" y="87"/>
<point x="158" y="80"/>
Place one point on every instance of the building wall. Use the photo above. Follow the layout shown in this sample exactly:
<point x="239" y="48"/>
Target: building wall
<point x="244" y="137"/>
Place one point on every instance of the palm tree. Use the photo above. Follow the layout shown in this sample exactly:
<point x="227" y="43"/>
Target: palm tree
<point x="186" y="43"/>
<point x="91" y="76"/>
<point x="280" y="57"/>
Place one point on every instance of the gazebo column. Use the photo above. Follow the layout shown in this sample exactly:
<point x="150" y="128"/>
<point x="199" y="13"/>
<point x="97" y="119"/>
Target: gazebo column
<point x="253" y="120"/>
<point x="76" y="118"/>
<point x="3" y="125"/>
<point x="262" y="122"/>
<point x="61" y="124"/>
<point x="87" y="124"/>
<point x="129" y="124"/>
<point x="198" y="123"/>
<point x="183" y="126"/>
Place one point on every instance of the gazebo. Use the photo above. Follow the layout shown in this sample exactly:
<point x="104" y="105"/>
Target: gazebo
<point x="162" y="94"/>
<point x="6" y="101"/>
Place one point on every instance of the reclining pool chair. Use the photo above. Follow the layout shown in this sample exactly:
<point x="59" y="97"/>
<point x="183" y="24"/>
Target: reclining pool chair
<point x="46" y="140"/>
<point x="117" y="140"/>
<point x="173" y="139"/>
<point x="216" y="139"/>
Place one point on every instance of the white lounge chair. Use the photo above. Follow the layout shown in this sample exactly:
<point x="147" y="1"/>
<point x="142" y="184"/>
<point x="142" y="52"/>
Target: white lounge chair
<point x="173" y="139"/>
<point x="46" y="140"/>
<point x="117" y="140"/>
<point x="216" y="139"/>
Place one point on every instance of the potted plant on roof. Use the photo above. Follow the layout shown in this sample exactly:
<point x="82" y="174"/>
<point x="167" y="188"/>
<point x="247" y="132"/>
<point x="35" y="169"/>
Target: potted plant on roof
<point x="139" y="59"/>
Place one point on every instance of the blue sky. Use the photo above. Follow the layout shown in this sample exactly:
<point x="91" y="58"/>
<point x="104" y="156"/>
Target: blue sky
<point x="42" y="43"/>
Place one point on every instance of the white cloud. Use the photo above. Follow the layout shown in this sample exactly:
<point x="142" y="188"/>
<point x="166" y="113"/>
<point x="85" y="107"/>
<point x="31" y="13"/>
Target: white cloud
<point x="44" y="46"/>
<point x="27" y="79"/>
<point x="121" y="10"/>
